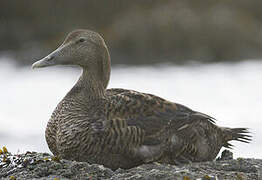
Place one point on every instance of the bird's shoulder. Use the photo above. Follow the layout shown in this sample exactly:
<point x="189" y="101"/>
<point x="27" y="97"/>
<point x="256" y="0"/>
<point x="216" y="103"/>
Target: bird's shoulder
<point x="146" y="111"/>
<point x="131" y="98"/>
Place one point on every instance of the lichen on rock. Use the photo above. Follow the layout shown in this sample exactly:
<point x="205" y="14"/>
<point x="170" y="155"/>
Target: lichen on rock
<point x="43" y="166"/>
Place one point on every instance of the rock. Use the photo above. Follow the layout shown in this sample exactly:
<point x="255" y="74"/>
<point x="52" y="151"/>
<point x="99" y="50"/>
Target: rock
<point x="32" y="165"/>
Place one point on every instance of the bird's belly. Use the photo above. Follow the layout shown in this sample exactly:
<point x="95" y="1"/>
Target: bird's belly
<point x="85" y="146"/>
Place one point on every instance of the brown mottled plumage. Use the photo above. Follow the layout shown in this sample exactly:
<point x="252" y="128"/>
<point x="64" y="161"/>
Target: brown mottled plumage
<point x="123" y="128"/>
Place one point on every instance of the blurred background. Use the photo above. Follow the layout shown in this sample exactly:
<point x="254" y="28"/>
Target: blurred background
<point x="203" y="54"/>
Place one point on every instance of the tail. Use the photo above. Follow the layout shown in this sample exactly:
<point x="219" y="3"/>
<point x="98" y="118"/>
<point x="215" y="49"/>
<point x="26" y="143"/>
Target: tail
<point x="237" y="134"/>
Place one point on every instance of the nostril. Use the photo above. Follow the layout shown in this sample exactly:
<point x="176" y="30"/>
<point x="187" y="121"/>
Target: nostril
<point x="81" y="40"/>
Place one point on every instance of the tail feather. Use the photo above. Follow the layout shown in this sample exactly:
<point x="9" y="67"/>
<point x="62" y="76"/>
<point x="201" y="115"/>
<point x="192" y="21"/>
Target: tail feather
<point x="238" y="134"/>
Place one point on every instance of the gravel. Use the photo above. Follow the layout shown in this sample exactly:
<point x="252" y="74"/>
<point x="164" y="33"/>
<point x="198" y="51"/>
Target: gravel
<point x="33" y="165"/>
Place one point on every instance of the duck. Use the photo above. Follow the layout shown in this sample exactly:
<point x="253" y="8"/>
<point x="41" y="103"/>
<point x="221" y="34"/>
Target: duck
<point x="121" y="128"/>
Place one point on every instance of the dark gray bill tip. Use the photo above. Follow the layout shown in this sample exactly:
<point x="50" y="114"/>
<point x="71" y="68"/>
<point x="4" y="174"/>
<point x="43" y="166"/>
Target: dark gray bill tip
<point x="46" y="61"/>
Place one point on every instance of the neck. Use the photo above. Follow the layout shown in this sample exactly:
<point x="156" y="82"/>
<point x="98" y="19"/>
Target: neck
<point x="88" y="87"/>
<point x="93" y="82"/>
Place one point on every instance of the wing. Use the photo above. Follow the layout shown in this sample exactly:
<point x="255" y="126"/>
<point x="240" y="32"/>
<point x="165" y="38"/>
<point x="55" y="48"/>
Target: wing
<point x="174" y="128"/>
<point x="148" y="112"/>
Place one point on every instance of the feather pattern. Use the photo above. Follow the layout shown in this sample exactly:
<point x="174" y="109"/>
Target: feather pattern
<point x="122" y="128"/>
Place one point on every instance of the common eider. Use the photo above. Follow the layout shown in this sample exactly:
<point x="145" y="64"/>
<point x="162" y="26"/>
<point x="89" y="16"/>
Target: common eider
<point x="121" y="128"/>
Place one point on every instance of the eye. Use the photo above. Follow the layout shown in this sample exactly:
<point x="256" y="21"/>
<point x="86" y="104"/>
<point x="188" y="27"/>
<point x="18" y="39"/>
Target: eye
<point x="81" y="40"/>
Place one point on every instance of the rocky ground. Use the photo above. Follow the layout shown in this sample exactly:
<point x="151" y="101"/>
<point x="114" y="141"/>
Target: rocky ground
<point x="33" y="165"/>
